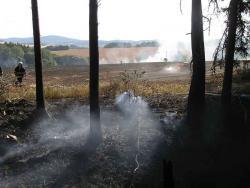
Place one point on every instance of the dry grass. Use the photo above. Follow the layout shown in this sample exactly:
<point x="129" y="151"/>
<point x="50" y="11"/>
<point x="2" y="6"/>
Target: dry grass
<point x="72" y="82"/>
<point x="133" y="81"/>
<point x="107" y="89"/>
<point x="66" y="86"/>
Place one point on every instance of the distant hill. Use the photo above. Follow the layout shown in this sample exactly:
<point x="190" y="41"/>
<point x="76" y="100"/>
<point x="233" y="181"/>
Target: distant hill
<point x="54" y="40"/>
<point x="49" y="40"/>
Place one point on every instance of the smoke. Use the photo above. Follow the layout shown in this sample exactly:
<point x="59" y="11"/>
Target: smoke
<point x="126" y="55"/>
<point x="117" y="60"/>
<point x="171" y="69"/>
<point x="53" y="134"/>
<point x="179" y="51"/>
<point x="73" y="126"/>
<point x="46" y="137"/>
<point x="161" y="54"/>
<point x="8" y="63"/>
<point x="130" y="128"/>
<point x="132" y="105"/>
<point x="170" y="51"/>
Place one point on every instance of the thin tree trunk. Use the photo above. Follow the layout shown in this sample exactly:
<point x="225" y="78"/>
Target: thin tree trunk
<point x="95" y="127"/>
<point x="196" y="99"/>
<point x="38" y="59"/>
<point x="230" y="50"/>
<point x="168" y="176"/>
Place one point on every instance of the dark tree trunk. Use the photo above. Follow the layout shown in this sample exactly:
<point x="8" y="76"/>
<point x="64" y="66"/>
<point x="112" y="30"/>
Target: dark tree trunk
<point x="196" y="98"/>
<point x="230" y="50"/>
<point x="38" y="59"/>
<point x="168" y="176"/>
<point x="95" y="127"/>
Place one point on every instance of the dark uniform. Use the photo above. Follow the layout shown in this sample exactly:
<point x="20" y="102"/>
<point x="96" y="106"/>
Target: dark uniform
<point x="19" y="73"/>
<point x="1" y="72"/>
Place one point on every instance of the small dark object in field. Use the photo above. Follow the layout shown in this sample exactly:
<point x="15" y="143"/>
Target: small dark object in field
<point x="168" y="176"/>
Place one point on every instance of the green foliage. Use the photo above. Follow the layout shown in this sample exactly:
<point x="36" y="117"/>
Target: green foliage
<point x="10" y="53"/>
<point x="29" y="58"/>
<point x="5" y="52"/>
<point x="47" y="58"/>
<point x="17" y="51"/>
<point x="118" y="45"/>
<point x="129" y="45"/>
<point x="57" y="48"/>
<point x="148" y="44"/>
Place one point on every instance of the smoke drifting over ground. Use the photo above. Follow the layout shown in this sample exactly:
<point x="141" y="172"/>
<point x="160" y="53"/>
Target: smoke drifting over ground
<point x="130" y="137"/>
<point x="179" y="51"/>
<point x="170" y="51"/>
<point x="7" y="63"/>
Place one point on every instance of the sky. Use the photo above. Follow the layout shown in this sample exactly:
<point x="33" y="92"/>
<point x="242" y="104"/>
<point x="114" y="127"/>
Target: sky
<point x="118" y="19"/>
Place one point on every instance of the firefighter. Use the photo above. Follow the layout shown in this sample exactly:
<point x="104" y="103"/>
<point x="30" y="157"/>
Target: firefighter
<point x="19" y="73"/>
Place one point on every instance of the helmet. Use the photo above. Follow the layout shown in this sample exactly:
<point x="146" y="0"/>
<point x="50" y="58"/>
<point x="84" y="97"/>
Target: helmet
<point x="20" y="62"/>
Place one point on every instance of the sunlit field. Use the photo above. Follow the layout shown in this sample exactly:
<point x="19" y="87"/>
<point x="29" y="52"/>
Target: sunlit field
<point x="143" y="79"/>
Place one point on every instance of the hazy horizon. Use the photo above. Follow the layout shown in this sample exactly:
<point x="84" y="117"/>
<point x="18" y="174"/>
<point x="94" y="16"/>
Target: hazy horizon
<point x="118" y="20"/>
<point x="159" y="20"/>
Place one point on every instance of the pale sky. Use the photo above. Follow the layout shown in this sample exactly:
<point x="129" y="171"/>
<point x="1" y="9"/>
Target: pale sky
<point x="118" y="19"/>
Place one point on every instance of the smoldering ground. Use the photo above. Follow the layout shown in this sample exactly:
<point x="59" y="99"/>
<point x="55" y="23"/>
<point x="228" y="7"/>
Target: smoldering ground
<point x="131" y="136"/>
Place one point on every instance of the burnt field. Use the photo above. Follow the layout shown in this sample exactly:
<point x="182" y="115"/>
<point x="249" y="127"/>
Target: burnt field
<point x="139" y="130"/>
<point x="157" y="71"/>
<point x="153" y="71"/>
<point x="68" y="75"/>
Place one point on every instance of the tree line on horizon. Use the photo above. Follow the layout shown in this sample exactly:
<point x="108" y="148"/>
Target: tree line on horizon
<point x="11" y="53"/>
<point x="131" y="45"/>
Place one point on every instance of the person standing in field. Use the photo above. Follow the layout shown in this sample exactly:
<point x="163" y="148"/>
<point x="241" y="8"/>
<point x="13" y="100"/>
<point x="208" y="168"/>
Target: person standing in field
<point x="19" y="73"/>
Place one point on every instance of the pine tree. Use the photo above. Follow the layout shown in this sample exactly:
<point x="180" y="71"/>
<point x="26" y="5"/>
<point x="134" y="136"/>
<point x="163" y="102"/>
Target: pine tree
<point x="230" y="51"/>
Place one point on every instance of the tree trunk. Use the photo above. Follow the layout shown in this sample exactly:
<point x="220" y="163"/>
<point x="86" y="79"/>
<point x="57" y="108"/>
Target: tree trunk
<point x="230" y="50"/>
<point x="38" y="59"/>
<point x="95" y="127"/>
<point x="196" y="98"/>
<point x="168" y="176"/>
